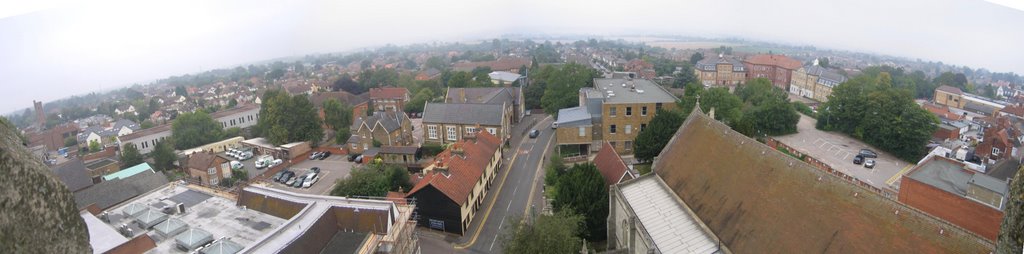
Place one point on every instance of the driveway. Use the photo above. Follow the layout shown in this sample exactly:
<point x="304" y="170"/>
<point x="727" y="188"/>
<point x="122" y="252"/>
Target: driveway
<point x="837" y="150"/>
<point x="332" y="169"/>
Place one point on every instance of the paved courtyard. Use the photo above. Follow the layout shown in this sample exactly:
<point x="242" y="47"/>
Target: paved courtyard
<point x="838" y="150"/>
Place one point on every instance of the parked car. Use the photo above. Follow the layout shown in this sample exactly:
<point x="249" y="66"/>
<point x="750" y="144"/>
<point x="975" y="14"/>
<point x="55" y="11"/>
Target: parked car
<point x="315" y="170"/>
<point x="314" y="155"/>
<point x="263" y="161"/>
<point x="310" y="179"/>
<point x="867" y="153"/>
<point x="276" y="162"/>
<point x="298" y="181"/>
<point x="245" y="156"/>
<point x="359" y="159"/>
<point x="858" y="159"/>
<point x="236" y="165"/>
<point x="534" y="133"/>
<point x="277" y="176"/>
<point x="869" y="163"/>
<point x="325" y="154"/>
<point x="288" y="174"/>
<point x="352" y="157"/>
<point x="291" y="180"/>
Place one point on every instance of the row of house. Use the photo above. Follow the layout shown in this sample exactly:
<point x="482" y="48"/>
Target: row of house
<point x="243" y="116"/>
<point x="810" y="81"/>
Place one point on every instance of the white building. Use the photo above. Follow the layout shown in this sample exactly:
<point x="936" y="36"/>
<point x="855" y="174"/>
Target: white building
<point x="243" y="116"/>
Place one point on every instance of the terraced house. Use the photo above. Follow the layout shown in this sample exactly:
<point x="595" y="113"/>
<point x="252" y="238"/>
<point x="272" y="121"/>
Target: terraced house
<point x="450" y="191"/>
<point x="815" y="82"/>
<point x="722" y="71"/>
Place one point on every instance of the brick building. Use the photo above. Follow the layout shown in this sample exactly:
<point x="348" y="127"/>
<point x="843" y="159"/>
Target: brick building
<point x="209" y="168"/>
<point x="720" y="71"/>
<point x="389" y="98"/>
<point x="947" y="189"/>
<point x="776" y="68"/>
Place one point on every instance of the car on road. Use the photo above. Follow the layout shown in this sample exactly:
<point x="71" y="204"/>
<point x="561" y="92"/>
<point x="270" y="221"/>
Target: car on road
<point x="534" y="133"/>
<point x="867" y="153"/>
<point x="858" y="159"/>
<point x="869" y="163"/>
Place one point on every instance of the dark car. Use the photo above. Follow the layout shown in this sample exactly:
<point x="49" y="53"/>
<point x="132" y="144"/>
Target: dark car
<point x="287" y="175"/>
<point x="277" y="176"/>
<point x="534" y="133"/>
<point x="325" y="154"/>
<point x="298" y="181"/>
<point x="858" y="159"/>
<point x="352" y="157"/>
<point x="869" y="163"/>
<point x="867" y="153"/>
<point x="315" y="169"/>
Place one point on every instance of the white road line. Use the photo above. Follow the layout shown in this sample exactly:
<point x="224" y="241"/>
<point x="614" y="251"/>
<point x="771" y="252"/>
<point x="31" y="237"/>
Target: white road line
<point x="494" y="240"/>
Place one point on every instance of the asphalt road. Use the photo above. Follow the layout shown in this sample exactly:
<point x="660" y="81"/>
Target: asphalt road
<point x="520" y="191"/>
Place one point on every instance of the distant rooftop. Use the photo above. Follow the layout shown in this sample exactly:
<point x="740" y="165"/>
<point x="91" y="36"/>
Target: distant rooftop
<point x="632" y="91"/>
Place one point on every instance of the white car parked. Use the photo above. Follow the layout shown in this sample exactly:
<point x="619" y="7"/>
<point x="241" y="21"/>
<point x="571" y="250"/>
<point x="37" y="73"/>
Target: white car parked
<point x="310" y="179"/>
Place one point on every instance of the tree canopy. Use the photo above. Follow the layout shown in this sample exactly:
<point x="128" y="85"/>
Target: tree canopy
<point x="561" y="83"/>
<point x="373" y="181"/>
<point x="767" y="110"/>
<point x="130" y="156"/>
<point x="869" y="107"/>
<point x="652" y="139"/>
<point x="285" y="119"/>
<point x="555" y="233"/>
<point x="582" y="189"/>
<point x="195" y="129"/>
<point x="163" y="155"/>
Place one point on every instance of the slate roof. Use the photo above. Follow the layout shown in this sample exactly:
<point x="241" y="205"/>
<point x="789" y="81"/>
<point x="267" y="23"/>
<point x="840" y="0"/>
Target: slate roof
<point x="611" y="166"/>
<point x="826" y="76"/>
<point x="756" y="198"/>
<point x="73" y="174"/>
<point x="573" y="117"/>
<point x="110" y="193"/>
<point x="774" y="60"/>
<point x="464" y="171"/>
<point x="486" y="95"/>
<point x="391" y="121"/>
<point x="461" y="113"/>
<point x="389" y="93"/>
<point x="399" y="149"/>
<point x="711" y="64"/>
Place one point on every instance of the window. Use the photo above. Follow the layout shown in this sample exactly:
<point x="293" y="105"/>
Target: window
<point x="995" y="151"/>
<point x="629" y="128"/>
<point x="611" y="111"/>
<point x="643" y="126"/>
<point x="451" y="132"/>
<point x="583" y="131"/>
<point x="629" y="145"/>
<point x="211" y="171"/>
<point x="432" y="131"/>
<point x="629" y="111"/>
<point x="611" y="129"/>
<point x="214" y="181"/>
<point x="657" y="106"/>
<point x="493" y="131"/>
<point x="470" y="130"/>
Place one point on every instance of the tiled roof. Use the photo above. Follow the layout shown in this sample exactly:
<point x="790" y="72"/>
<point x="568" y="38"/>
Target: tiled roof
<point x="388" y="93"/>
<point x="485" y="95"/>
<point x="202" y="160"/>
<point x="147" y="132"/>
<point x="1016" y="110"/>
<point x="390" y="121"/>
<point x="941" y="111"/>
<point x="756" y="198"/>
<point x="399" y="149"/>
<point x="464" y="171"/>
<point x="73" y="174"/>
<point x="110" y="193"/>
<point x="774" y="60"/>
<point x="611" y="166"/>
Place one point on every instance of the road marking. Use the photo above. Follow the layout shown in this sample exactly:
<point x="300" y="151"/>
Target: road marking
<point x="487" y="213"/>
<point x="533" y="187"/>
<point x="493" y="241"/>
<point x="510" y="203"/>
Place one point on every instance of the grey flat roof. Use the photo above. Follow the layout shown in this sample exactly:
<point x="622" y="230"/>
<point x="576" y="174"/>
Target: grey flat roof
<point x="645" y="91"/>
<point x="671" y="225"/>
<point x="102" y="237"/>
<point x="943" y="174"/>
<point x="572" y="117"/>
<point x="990" y="183"/>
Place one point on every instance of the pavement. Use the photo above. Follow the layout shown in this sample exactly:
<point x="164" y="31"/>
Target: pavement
<point x="417" y="130"/>
<point x="837" y="150"/>
<point x="332" y="169"/>
<point x="518" y="189"/>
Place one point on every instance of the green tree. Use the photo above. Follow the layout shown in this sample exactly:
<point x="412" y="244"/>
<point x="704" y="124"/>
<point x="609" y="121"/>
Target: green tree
<point x="415" y="105"/>
<point x="164" y="156"/>
<point x="555" y="233"/>
<point x="823" y="62"/>
<point x="461" y="79"/>
<point x="130" y="156"/>
<point x="146" y="124"/>
<point x="70" y="141"/>
<point x="232" y="132"/>
<point x="564" y="82"/>
<point x="195" y="129"/>
<point x="337" y="115"/>
<point x="180" y="91"/>
<point x="652" y="139"/>
<point x="94" y="146"/>
<point x="436" y="63"/>
<point x="772" y="117"/>
<point x="696" y="57"/>
<point x="804" y="109"/>
<point x="285" y="119"/>
<point x="728" y="107"/>
<point x="373" y="181"/>
<point x="582" y="189"/>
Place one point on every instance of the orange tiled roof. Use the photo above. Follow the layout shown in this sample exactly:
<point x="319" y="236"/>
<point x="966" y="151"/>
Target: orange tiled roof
<point x="388" y="92"/>
<point x="774" y="60"/>
<point x="464" y="171"/>
<point x="610" y="164"/>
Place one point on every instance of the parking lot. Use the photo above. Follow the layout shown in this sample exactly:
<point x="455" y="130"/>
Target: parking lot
<point x="838" y="150"/>
<point x="332" y="169"/>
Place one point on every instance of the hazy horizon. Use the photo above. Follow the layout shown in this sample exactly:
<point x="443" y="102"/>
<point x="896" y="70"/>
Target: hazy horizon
<point x="56" y="49"/>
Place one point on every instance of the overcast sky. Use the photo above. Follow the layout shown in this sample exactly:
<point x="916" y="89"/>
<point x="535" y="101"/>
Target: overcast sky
<point x="51" y="49"/>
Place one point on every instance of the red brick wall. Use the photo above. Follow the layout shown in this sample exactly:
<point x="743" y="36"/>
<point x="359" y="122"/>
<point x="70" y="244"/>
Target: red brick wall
<point x="946" y="134"/>
<point x="971" y="215"/>
<point x="137" y="245"/>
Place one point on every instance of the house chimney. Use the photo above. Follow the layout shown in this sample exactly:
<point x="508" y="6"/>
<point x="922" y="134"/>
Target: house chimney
<point x="457" y="149"/>
<point x="441" y="167"/>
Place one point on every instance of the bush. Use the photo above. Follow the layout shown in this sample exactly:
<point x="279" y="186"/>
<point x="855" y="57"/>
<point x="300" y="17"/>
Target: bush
<point x="431" y="150"/>
<point x="804" y="109"/>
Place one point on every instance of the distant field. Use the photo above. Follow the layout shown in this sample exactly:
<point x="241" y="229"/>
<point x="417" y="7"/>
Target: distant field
<point x="684" y="45"/>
